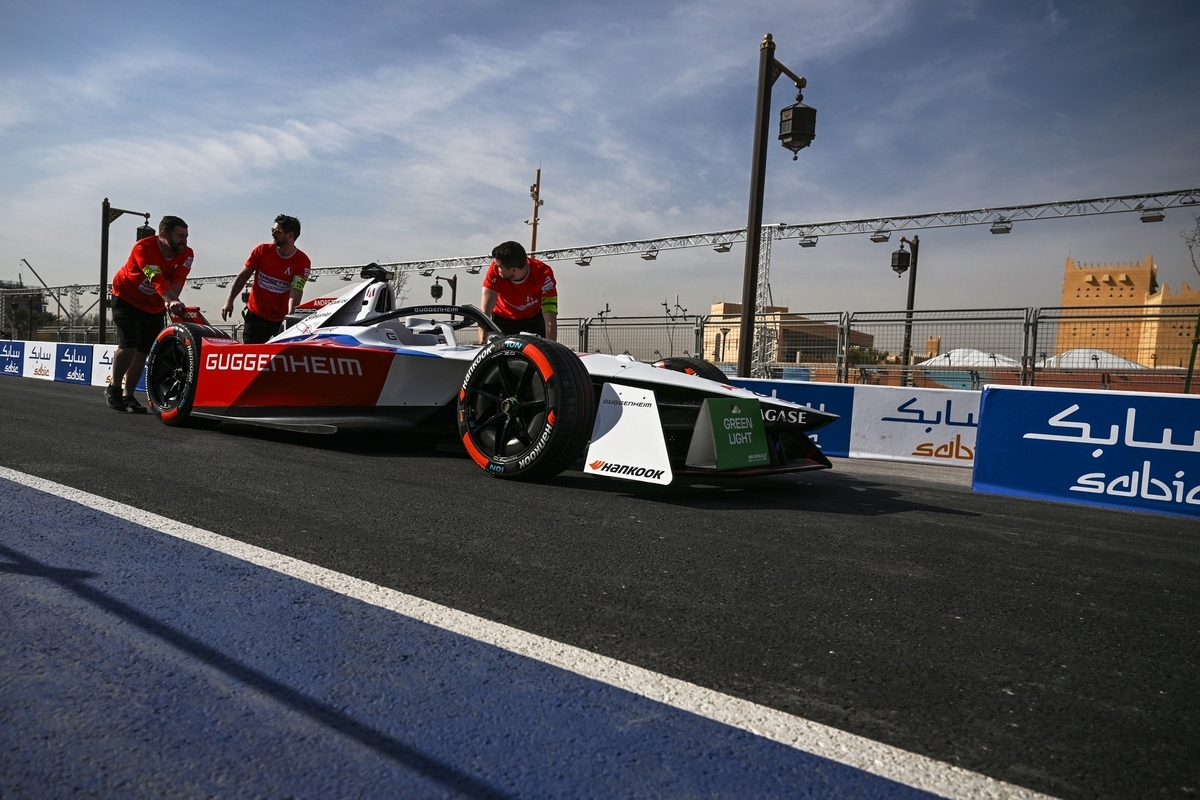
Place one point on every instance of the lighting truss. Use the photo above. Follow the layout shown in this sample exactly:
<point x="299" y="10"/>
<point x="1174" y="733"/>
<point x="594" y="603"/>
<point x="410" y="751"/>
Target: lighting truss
<point x="1148" y="206"/>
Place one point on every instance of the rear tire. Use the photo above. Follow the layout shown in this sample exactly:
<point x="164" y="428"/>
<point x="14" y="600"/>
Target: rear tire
<point x="171" y="372"/>
<point x="526" y="408"/>
<point x="693" y="366"/>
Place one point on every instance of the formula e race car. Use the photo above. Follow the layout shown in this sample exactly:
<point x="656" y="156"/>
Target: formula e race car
<point x="523" y="407"/>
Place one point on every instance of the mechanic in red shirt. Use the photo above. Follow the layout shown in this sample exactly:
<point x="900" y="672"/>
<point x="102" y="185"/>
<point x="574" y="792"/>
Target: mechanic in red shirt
<point x="150" y="282"/>
<point x="520" y="293"/>
<point x="282" y="272"/>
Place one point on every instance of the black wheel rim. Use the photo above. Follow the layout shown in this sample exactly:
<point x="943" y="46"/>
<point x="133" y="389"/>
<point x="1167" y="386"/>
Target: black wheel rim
<point x="507" y="407"/>
<point x="169" y="376"/>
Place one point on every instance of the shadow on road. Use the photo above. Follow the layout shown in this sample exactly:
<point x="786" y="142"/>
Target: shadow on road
<point x="74" y="581"/>
<point x="814" y="492"/>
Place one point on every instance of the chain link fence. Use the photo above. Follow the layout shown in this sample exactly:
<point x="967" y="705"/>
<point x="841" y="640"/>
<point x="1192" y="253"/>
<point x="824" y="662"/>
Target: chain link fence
<point x="1130" y="348"/>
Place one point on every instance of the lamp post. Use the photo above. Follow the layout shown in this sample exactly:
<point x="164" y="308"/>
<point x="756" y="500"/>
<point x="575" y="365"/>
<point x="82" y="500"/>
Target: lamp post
<point x="109" y="215"/>
<point x="901" y="263"/>
<point x="535" y="191"/>
<point x="797" y="128"/>
<point x="435" y="291"/>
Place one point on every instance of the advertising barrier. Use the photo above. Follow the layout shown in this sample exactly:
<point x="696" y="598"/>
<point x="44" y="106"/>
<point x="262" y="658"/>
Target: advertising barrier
<point x="39" y="360"/>
<point x="927" y="426"/>
<point x="73" y="363"/>
<point x="12" y="359"/>
<point x="834" y="440"/>
<point x="102" y="360"/>
<point x="1130" y="450"/>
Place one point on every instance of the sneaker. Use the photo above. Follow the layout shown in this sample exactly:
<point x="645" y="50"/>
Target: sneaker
<point x="115" y="401"/>
<point x="133" y="406"/>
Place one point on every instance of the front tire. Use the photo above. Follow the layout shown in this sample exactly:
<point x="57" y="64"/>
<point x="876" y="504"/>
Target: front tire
<point x="526" y="407"/>
<point x="693" y="366"/>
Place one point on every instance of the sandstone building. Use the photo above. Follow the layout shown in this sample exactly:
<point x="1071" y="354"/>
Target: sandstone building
<point x="1122" y="309"/>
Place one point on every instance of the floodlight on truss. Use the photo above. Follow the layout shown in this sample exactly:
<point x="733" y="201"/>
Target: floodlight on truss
<point x="583" y="261"/>
<point x="474" y="270"/>
<point x="808" y="241"/>
<point x="1153" y="214"/>
<point x="722" y="247"/>
<point x="650" y="255"/>
<point x="881" y="235"/>
<point x="1001" y="225"/>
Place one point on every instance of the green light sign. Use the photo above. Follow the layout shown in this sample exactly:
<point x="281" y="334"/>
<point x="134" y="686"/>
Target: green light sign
<point x="729" y="434"/>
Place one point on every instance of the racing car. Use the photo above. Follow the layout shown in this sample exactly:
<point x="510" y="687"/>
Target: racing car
<point x="522" y="406"/>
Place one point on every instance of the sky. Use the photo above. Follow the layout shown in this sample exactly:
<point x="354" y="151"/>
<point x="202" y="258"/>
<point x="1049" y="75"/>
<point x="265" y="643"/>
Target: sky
<point x="411" y="130"/>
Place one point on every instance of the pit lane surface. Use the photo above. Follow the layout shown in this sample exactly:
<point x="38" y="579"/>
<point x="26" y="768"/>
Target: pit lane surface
<point x="1049" y="646"/>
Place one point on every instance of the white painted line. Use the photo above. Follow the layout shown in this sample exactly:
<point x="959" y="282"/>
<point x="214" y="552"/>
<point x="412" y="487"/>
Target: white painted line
<point x="870" y="756"/>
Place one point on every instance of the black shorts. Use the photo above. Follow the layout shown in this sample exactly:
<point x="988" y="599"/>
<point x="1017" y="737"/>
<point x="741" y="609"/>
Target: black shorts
<point x="535" y="324"/>
<point x="259" y="330"/>
<point x="135" y="328"/>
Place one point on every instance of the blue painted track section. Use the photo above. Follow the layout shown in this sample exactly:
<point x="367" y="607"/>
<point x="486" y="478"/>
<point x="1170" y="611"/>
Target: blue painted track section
<point x="134" y="664"/>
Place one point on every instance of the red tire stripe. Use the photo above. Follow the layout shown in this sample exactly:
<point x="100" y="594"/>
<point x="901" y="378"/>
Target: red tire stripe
<point x="537" y="357"/>
<point x="476" y="456"/>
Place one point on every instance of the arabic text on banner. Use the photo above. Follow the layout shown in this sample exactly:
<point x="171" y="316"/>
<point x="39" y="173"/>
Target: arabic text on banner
<point x="929" y="426"/>
<point x="1131" y="450"/>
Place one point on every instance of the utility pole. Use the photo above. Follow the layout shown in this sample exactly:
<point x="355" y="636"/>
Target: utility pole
<point x="535" y="191"/>
<point x="109" y="215"/>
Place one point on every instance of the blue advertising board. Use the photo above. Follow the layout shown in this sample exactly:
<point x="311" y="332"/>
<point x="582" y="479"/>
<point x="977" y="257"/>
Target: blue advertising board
<point x="12" y="358"/>
<point x="836" y="398"/>
<point x="73" y="363"/>
<point x="1129" y="450"/>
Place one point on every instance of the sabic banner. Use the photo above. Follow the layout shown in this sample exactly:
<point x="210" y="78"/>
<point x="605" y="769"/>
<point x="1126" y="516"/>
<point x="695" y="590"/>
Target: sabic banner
<point x="1129" y="450"/>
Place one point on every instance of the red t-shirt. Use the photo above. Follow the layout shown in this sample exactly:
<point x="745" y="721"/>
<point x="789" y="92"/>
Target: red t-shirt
<point x="275" y="279"/>
<point x="523" y="299"/>
<point x="147" y="274"/>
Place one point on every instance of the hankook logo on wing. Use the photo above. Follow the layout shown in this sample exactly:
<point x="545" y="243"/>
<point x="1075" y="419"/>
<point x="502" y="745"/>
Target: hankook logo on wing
<point x="625" y="469"/>
<point x="281" y="362"/>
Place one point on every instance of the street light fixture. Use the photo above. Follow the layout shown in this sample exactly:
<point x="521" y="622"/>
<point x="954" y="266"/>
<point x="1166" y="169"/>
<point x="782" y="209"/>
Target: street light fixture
<point x="435" y="291"/>
<point x="903" y="261"/>
<point x="797" y="128"/>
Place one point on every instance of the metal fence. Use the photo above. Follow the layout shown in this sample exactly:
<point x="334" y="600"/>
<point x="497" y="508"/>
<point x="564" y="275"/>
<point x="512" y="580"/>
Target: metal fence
<point x="1138" y="348"/>
<point x="91" y="334"/>
<point x="1132" y="348"/>
<point x="644" y="338"/>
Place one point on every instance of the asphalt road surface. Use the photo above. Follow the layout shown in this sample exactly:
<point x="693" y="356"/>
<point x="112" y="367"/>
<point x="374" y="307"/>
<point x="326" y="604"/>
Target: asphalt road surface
<point x="1045" y="645"/>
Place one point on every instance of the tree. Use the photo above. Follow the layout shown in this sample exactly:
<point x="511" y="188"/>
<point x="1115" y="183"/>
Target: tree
<point x="1192" y="240"/>
<point x="865" y="355"/>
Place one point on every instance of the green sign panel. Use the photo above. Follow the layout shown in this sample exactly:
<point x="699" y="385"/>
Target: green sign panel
<point x="729" y="434"/>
